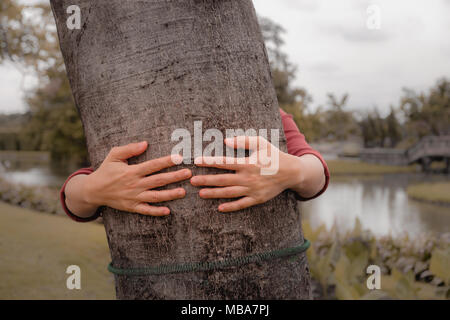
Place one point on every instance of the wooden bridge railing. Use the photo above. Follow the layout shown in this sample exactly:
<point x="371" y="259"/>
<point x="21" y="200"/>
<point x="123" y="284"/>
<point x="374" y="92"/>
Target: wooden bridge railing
<point x="436" y="147"/>
<point x="427" y="150"/>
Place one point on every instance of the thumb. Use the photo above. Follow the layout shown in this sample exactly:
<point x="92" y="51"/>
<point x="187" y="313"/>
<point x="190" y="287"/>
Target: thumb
<point x="128" y="151"/>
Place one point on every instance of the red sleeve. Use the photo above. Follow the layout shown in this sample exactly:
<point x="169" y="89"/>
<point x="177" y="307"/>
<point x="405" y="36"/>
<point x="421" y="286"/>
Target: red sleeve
<point x="297" y="146"/>
<point x="63" y="197"/>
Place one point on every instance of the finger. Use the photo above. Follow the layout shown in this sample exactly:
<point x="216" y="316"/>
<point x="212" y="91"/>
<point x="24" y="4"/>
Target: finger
<point x="123" y="153"/>
<point x="216" y="180"/>
<point x="163" y="179"/>
<point x="162" y="196"/>
<point x="246" y="142"/>
<point x="148" y="210"/>
<point x="223" y="193"/>
<point x="237" y="205"/>
<point x="156" y="165"/>
<point x="228" y="163"/>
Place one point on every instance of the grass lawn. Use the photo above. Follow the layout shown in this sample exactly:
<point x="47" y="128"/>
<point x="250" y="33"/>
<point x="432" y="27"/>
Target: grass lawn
<point x="438" y="192"/>
<point x="37" y="248"/>
<point x="355" y="167"/>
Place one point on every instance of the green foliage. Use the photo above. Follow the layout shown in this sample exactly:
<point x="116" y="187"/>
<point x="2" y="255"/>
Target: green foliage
<point x="335" y="123"/>
<point x="340" y="123"/>
<point x="53" y="124"/>
<point x="427" y="114"/>
<point x="293" y="100"/>
<point x="424" y="113"/>
<point x="14" y="32"/>
<point x="394" y="129"/>
<point x="11" y="137"/>
<point x="28" y="39"/>
<point x="381" y="132"/>
<point x="411" y="269"/>
<point x="27" y="35"/>
<point x="440" y="263"/>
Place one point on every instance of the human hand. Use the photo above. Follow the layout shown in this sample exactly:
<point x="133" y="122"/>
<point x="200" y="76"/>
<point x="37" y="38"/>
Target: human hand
<point x="125" y="187"/>
<point x="247" y="182"/>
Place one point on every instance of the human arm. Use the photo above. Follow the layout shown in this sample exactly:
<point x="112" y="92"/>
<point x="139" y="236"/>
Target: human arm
<point x="121" y="186"/>
<point x="302" y="169"/>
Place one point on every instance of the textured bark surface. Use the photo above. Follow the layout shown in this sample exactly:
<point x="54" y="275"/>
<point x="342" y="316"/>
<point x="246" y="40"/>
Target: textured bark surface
<point x="138" y="71"/>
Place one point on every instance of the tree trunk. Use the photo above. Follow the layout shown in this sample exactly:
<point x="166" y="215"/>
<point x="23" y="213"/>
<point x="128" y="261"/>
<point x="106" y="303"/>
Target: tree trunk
<point x="138" y="71"/>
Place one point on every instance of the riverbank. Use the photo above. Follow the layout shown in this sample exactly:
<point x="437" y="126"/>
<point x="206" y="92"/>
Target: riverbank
<point x="36" y="249"/>
<point x="356" y="167"/>
<point x="435" y="193"/>
<point x="43" y="199"/>
<point x="25" y="156"/>
<point x="417" y="268"/>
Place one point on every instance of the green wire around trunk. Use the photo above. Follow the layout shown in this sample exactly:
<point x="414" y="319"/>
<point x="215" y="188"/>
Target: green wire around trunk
<point x="207" y="266"/>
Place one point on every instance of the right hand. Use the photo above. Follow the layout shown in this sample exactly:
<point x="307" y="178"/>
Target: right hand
<point x="125" y="187"/>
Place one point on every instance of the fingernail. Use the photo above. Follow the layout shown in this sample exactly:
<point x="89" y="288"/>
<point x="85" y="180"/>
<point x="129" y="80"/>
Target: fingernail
<point x="198" y="160"/>
<point x="177" y="159"/>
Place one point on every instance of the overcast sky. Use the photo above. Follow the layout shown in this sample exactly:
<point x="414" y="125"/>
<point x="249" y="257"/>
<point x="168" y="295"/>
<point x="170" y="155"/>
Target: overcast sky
<point x="336" y="51"/>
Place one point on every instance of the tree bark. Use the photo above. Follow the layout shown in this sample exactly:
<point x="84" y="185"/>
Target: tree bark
<point x="138" y="71"/>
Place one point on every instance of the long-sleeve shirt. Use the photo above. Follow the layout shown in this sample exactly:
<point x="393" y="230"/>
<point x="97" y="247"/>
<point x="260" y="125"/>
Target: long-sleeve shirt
<point x="296" y="145"/>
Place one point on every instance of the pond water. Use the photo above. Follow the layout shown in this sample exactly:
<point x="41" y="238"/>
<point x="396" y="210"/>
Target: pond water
<point x="32" y="169"/>
<point x="380" y="203"/>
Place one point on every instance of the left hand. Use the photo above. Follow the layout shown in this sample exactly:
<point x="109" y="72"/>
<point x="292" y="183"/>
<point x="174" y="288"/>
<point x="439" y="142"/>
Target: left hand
<point x="248" y="183"/>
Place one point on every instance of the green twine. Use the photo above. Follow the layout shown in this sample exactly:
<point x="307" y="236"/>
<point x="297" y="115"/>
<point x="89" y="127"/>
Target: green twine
<point x="213" y="265"/>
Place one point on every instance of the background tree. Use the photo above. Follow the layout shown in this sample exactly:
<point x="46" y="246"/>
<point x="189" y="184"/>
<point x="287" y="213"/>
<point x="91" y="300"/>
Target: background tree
<point x="294" y="100"/>
<point x="54" y="124"/>
<point x="340" y="123"/>
<point x="19" y="35"/>
<point x="427" y="114"/>
<point x="394" y="129"/>
<point x="135" y="80"/>
<point x="367" y="131"/>
<point x="373" y="129"/>
<point x="28" y="39"/>
<point x="378" y="131"/>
